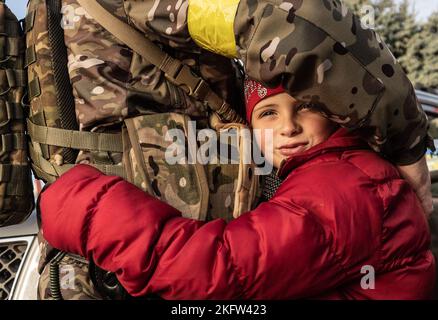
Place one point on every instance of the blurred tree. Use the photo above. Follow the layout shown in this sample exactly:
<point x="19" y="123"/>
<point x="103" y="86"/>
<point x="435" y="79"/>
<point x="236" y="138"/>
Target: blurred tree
<point x="396" y="25"/>
<point x="413" y="60"/>
<point x="357" y="5"/>
<point x="421" y="59"/>
<point x="414" y="44"/>
<point x="429" y="74"/>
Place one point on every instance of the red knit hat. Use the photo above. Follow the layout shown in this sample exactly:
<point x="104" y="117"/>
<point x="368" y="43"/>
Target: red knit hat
<point x="256" y="92"/>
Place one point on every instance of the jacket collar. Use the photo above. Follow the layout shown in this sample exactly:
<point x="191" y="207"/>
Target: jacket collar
<point x="340" y="140"/>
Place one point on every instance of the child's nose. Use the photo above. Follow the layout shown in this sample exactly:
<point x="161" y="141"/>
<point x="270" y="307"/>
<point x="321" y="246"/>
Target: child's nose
<point x="290" y="127"/>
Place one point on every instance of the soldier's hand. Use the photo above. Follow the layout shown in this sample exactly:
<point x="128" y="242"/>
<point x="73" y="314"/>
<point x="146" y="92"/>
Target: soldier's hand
<point x="418" y="176"/>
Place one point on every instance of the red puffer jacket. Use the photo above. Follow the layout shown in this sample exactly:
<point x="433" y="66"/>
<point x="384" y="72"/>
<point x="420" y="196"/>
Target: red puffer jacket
<point x="340" y="211"/>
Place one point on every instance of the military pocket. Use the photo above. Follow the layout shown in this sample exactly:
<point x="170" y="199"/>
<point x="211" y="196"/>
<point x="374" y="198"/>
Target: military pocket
<point x="160" y="161"/>
<point x="206" y="179"/>
<point x="16" y="190"/>
<point x="232" y="179"/>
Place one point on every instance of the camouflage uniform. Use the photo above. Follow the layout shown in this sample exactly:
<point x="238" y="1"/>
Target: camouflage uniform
<point x="339" y="65"/>
<point x="319" y="51"/>
<point x="110" y="84"/>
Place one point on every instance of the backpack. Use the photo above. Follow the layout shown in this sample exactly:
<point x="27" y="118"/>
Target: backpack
<point x="104" y="95"/>
<point x="16" y="192"/>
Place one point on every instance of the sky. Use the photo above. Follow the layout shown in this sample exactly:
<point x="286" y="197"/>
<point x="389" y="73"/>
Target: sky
<point x="18" y="7"/>
<point x="423" y="7"/>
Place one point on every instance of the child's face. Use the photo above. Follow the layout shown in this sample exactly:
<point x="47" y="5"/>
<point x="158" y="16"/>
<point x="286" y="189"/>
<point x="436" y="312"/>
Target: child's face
<point x="294" y="130"/>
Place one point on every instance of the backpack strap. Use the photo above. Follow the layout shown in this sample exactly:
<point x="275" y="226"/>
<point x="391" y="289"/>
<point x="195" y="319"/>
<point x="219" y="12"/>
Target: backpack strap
<point x="72" y="139"/>
<point x="176" y="71"/>
<point x="50" y="171"/>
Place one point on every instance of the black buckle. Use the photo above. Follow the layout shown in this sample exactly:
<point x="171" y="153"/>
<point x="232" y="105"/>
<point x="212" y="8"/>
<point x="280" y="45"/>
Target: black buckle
<point x="186" y="79"/>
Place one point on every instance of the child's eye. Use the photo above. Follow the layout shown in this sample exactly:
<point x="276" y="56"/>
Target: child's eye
<point x="267" y="113"/>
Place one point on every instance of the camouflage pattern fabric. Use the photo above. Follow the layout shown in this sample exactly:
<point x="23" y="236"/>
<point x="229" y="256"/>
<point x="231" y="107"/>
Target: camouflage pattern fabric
<point x="74" y="279"/>
<point x="184" y="186"/>
<point x="43" y="109"/>
<point x="320" y="52"/>
<point x="241" y="195"/>
<point x="221" y="189"/>
<point x="16" y="191"/>
<point x="110" y="83"/>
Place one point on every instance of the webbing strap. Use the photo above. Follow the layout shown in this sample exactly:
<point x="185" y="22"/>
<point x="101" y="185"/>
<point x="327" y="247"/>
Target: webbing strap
<point x="177" y="72"/>
<point x="49" y="172"/>
<point x="81" y="140"/>
<point x="14" y="78"/>
<point x="10" y="111"/>
<point x="14" y="111"/>
<point x="16" y="177"/>
<point x="9" y="172"/>
<point x="12" y="27"/>
<point x="11" y="142"/>
<point x="30" y="56"/>
<point x="12" y="46"/>
<point x="29" y="21"/>
<point x="34" y="88"/>
<point x="20" y="78"/>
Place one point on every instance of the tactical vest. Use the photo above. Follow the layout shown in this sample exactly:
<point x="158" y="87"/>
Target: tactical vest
<point x="16" y="196"/>
<point x="102" y="94"/>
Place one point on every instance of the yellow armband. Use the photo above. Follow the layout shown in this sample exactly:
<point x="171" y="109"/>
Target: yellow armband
<point x="211" y="25"/>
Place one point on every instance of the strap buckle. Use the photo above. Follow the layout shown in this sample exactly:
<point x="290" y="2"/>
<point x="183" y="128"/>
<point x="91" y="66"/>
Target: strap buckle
<point x="185" y="79"/>
<point x="191" y="83"/>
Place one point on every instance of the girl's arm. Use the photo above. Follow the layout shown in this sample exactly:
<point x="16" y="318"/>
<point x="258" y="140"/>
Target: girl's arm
<point x="275" y="251"/>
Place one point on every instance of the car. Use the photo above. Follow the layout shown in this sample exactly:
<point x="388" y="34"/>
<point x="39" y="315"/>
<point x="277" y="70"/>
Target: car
<point x="20" y="252"/>
<point x="429" y="102"/>
<point x="19" y="258"/>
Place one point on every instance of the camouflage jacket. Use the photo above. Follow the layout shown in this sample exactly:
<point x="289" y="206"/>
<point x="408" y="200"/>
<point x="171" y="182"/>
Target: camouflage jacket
<point x="317" y="49"/>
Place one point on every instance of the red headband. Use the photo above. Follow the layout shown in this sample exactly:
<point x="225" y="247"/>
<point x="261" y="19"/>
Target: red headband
<point x="256" y="92"/>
